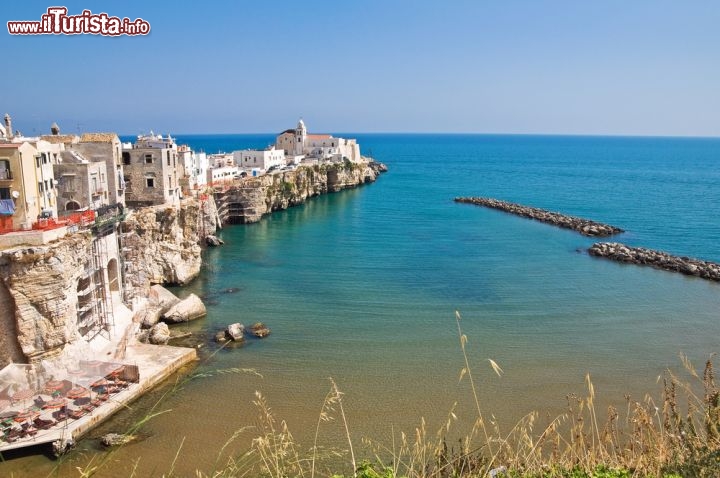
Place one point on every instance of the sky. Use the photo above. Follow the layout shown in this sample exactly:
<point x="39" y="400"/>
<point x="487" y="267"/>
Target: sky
<point x="611" y="67"/>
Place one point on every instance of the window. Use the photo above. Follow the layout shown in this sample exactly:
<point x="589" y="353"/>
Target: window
<point x="40" y="187"/>
<point x="126" y="157"/>
<point x="168" y="157"/>
<point x="5" y="169"/>
<point x="148" y="159"/>
<point x="169" y="181"/>
<point x="5" y="193"/>
<point x="69" y="183"/>
<point x="150" y="182"/>
<point x="37" y="161"/>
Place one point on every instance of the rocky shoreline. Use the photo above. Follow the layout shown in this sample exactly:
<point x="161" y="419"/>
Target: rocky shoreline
<point x="254" y="197"/>
<point x="660" y="260"/>
<point x="585" y="227"/>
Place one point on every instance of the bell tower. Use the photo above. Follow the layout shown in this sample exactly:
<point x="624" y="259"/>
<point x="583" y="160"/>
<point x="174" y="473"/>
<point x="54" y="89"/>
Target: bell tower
<point x="300" y="137"/>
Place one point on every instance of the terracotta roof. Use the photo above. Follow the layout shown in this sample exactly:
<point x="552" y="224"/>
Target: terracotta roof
<point x="59" y="138"/>
<point x="319" y="136"/>
<point x="98" y="137"/>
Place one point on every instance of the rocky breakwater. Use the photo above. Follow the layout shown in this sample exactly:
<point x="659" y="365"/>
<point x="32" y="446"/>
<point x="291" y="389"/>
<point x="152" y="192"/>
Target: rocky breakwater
<point x="161" y="245"/>
<point x="585" y="227"/>
<point x="252" y="198"/>
<point x="660" y="260"/>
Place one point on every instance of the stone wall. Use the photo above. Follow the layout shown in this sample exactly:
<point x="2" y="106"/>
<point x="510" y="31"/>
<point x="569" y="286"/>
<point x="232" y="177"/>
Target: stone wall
<point x="256" y="196"/>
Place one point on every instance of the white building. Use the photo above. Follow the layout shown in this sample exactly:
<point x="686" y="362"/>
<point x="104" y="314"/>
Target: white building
<point x="221" y="174"/>
<point x="297" y="142"/>
<point x="259" y="158"/>
<point x="201" y="165"/>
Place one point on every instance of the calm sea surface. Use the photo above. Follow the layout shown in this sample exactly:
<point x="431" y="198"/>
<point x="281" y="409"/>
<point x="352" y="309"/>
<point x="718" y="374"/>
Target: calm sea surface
<point x="362" y="286"/>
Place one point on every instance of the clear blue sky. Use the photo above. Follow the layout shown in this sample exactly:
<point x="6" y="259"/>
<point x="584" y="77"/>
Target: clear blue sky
<point x="487" y="66"/>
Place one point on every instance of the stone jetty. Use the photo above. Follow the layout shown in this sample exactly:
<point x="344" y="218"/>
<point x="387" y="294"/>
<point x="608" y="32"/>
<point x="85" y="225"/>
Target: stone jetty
<point x="660" y="260"/>
<point x="585" y="227"/>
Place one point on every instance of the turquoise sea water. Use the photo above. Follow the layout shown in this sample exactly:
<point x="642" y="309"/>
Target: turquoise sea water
<point x="363" y="285"/>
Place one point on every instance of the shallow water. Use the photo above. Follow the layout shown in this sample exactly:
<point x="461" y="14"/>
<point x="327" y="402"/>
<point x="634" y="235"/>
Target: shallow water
<point x="363" y="285"/>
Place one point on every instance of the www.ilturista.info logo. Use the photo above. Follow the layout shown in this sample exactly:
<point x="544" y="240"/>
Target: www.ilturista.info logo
<point x="57" y="22"/>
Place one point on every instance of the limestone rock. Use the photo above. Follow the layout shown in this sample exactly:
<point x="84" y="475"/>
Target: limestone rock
<point x="160" y="334"/>
<point x="213" y="241"/>
<point x="162" y="298"/>
<point x="147" y="317"/>
<point x="161" y="245"/>
<point x="254" y="197"/>
<point x="236" y="332"/>
<point x="190" y="308"/>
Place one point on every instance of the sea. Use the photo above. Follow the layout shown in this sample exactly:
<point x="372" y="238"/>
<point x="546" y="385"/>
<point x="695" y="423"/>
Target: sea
<point x="370" y="290"/>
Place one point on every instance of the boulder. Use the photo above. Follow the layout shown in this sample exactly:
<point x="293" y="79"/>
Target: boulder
<point x="116" y="439"/>
<point x="190" y="308"/>
<point x="147" y="317"/>
<point x="162" y="298"/>
<point x="260" y="330"/>
<point x="221" y="336"/>
<point x="213" y="241"/>
<point x="143" y="336"/>
<point x="159" y="334"/>
<point x="236" y="332"/>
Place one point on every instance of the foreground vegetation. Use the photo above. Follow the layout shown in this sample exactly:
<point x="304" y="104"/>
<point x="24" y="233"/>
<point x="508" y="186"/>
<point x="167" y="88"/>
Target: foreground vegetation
<point x="651" y="438"/>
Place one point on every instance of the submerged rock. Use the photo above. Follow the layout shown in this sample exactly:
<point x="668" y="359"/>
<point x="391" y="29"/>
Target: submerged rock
<point x="116" y="439"/>
<point x="221" y="336"/>
<point x="190" y="308"/>
<point x="258" y="329"/>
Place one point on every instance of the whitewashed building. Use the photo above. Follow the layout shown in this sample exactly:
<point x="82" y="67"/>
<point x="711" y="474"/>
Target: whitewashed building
<point x="259" y="158"/>
<point x="297" y="142"/>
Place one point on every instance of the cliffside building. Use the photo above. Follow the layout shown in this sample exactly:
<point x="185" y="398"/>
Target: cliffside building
<point x="259" y="158"/>
<point x="298" y="143"/>
<point x="82" y="184"/>
<point x="152" y="171"/>
<point x="107" y="148"/>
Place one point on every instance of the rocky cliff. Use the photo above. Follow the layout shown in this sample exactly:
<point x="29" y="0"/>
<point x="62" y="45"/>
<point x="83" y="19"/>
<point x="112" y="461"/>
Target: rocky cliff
<point x="255" y="197"/>
<point x="39" y="285"/>
<point x="38" y="297"/>
<point x="160" y="244"/>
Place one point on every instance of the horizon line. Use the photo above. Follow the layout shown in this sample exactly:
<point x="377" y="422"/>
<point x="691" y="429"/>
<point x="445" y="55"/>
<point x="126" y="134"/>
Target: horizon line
<point x="454" y="133"/>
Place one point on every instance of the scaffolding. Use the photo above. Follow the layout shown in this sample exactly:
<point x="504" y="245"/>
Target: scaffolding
<point x="95" y="304"/>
